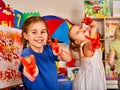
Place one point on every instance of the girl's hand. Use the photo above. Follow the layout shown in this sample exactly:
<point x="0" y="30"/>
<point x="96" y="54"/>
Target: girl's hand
<point x="57" y="50"/>
<point x="90" y="24"/>
<point x="30" y="69"/>
<point x="112" y="68"/>
<point x="87" y="20"/>
<point x="95" y="42"/>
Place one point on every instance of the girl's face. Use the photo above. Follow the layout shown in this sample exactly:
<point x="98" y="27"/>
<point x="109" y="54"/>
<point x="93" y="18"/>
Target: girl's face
<point x="78" y="33"/>
<point x="37" y="36"/>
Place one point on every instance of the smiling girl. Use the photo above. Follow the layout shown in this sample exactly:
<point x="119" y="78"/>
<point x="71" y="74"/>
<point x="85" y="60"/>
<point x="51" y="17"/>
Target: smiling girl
<point x="35" y="41"/>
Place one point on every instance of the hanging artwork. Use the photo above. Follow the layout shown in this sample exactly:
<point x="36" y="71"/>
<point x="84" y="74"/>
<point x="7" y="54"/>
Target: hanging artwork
<point x="97" y="8"/>
<point x="116" y="8"/>
<point x="10" y="49"/>
<point x="110" y="29"/>
<point x="6" y="15"/>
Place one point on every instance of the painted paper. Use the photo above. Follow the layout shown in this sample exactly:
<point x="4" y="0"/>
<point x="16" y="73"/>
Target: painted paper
<point x="10" y="50"/>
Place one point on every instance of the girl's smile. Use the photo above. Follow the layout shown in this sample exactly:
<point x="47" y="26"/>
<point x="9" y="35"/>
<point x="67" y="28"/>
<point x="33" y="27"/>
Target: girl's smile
<point x="37" y="35"/>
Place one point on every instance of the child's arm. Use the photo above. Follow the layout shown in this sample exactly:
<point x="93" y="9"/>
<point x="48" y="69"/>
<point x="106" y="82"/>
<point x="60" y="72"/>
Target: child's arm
<point x="65" y="56"/>
<point x="94" y="37"/>
<point x="93" y="28"/>
<point x="91" y="23"/>
<point x="87" y="50"/>
<point x="93" y="44"/>
<point x="111" y="59"/>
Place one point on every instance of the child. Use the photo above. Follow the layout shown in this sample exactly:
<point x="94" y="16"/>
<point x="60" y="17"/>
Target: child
<point x="91" y="75"/>
<point x="114" y="48"/>
<point x="42" y="73"/>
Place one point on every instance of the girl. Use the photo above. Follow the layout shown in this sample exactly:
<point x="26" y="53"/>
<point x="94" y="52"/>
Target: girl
<point x="114" y="48"/>
<point x="91" y="75"/>
<point x="40" y="74"/>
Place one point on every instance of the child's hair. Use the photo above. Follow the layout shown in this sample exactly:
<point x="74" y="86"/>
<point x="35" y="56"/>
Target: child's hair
<point x="117" y="32"/>
<point x="74" y="47"/>
<point x="72" y="44"/>
<point x="29" y="21"/>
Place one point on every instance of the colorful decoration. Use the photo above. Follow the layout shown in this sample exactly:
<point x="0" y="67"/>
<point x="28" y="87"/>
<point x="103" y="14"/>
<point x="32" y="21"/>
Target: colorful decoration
<point x="17" y="19"/>
<point x="6" y="15"/>
<point x="53" y="23"/>
<point x="62" y="73"/>
<point x="97" y="8"/>
<point x="94" y="1"/>
<point x="58" y="27"/>
<point x="72" y="72"/>
<point x="28" y="14"/>
<point x="6" y="20"/>
<point x="2" y="5"/>
<point x="110" y="29"/>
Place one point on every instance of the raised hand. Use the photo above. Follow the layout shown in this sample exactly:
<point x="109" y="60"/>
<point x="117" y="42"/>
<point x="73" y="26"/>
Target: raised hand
<point x="112" y="68"/>
<point x="87" y="20"/>
<point x="54" y="45"/>
<point x="30" y="66"/>
<point x="95" y="42"/>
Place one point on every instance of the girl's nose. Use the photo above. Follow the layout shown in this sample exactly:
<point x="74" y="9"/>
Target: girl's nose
<point x="80" y="30"/>
<point x="39" y="35"/>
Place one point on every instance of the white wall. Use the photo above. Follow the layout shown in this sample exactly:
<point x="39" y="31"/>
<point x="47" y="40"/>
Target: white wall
<point x="69" y="9"/>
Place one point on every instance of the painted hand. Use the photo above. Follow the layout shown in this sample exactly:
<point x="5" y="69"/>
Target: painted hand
<point x="95" y="42"/>
<point x="57" y="50"/>
<point x="30" y="68"/>
<point x="112" y="68"/>
<point x="87" y="20"/>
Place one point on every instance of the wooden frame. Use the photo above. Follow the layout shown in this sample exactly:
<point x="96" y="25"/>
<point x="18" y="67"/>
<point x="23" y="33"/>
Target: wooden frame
<point x="116" y="8"/>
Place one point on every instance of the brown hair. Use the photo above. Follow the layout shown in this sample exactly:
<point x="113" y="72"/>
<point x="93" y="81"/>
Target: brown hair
<point x="73" y="45"/>
<point x="29" y="21"/>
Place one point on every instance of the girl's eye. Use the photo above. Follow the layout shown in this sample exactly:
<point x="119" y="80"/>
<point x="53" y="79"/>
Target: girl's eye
<point x="76" y="32"/>
<point x="44" y="31"/>
<point x="34" y="32"/>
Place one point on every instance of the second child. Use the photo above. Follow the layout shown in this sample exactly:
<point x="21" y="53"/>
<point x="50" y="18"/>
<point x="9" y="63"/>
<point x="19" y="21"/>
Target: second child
<point x="91" y="75"/>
